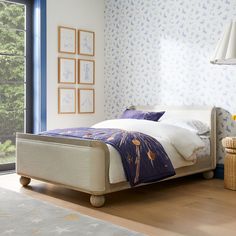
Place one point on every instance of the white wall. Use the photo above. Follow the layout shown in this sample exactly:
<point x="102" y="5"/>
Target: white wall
<point x="80" y="14"/>
<point x="158" y="52"/>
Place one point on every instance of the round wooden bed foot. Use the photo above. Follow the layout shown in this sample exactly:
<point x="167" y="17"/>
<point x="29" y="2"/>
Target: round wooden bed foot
<point x="24" y="181"/>
<point x="97" y="200"/>
<point x="208" y="174"/>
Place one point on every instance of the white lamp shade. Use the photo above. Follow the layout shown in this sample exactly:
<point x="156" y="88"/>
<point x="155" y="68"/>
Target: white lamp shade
<point x="225" y="53"/>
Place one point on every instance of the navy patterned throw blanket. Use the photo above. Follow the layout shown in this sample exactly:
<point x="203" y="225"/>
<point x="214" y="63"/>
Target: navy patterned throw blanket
<point x="143" y="157"/>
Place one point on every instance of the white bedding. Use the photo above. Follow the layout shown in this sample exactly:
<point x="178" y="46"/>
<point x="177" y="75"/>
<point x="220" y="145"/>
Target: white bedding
<point x="180" y="144"/>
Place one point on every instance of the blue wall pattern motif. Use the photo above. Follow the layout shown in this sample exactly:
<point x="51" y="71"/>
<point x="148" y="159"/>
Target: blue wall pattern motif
<point x="225" y="127"/>
<point x="158" y="52"/>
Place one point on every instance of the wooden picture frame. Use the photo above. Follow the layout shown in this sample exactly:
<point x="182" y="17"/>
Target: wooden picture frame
<point x="86" y="72"/>
<point x="86" y="43"/>
<point x="66" y="40"/>
<point x="66" y="70"/>
<point x="66" y="100"/>
<point x="86" y="101"/>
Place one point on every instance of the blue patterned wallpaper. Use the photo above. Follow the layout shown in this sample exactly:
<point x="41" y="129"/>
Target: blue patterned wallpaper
<point x="157" y="52"/>
<point x="225" y="127"/>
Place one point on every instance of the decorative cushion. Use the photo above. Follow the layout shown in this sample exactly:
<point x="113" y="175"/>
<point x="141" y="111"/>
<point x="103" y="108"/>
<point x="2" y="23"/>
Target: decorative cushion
<point x="195" y="126"/>
<point x="141" y="115"/>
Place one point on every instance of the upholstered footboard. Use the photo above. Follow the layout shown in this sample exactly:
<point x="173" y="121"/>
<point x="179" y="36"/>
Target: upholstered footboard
<point x="77" y="164"/>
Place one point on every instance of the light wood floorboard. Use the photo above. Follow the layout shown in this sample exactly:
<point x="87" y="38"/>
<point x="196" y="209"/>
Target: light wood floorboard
<point x="186" y="206"/>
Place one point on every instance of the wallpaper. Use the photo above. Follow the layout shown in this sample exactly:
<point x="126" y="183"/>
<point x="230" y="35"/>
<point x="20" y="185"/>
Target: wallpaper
<point x="158" y="52"/>
<point x="225" y="127"/>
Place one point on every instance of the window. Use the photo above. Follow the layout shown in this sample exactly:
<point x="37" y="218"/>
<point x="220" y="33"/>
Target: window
<point x="16" y="96"/>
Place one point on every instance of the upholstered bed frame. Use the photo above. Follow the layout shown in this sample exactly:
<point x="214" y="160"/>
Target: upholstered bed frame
<point x="83" y="165"/>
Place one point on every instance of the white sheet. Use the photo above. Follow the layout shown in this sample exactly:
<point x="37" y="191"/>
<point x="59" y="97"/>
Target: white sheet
<point x="167" y="135"/>
<point x="185" y="141"/>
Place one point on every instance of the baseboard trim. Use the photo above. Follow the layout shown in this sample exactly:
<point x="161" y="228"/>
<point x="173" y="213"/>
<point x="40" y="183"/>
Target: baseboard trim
<point x="219" y="171"/>
<point x="8" y="166"/>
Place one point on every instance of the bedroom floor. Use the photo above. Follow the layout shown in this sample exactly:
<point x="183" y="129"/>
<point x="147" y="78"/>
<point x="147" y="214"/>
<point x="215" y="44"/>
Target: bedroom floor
<point x="186" y="206"/>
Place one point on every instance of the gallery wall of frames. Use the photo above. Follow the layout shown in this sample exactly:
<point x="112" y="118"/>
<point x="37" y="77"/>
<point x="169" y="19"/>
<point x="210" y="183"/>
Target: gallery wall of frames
<point x="76" y="71"/>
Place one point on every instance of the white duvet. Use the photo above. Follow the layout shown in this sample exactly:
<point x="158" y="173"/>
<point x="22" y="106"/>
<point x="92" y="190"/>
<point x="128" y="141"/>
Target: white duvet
<point x="180" y="144"/>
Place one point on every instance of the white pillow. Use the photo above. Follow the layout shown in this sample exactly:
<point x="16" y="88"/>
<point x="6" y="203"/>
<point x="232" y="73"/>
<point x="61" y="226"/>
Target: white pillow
<point x="195" y="126"/>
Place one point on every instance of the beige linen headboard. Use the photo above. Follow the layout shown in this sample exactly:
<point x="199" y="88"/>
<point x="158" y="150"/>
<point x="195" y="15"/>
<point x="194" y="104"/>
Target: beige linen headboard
<point x="182" y="112"/>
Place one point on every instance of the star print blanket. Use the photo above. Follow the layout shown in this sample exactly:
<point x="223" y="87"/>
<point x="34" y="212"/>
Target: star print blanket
<point x="143" y="157"/>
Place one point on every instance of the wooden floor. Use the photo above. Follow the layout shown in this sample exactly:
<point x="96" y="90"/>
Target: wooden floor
<point x="187" y="206"/>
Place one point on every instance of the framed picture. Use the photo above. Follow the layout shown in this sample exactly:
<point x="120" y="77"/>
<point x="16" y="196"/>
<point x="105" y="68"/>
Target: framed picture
<point x="66" y="70"/>
<point x="66" y="100"/>
<point x="66" y="40"/>
<point x="86" y="71"/>
<point x="86" y="98"/>
<point x="86" y="43"/>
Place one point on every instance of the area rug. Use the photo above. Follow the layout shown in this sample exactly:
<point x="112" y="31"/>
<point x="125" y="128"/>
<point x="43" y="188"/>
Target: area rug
<point x="22" y="215"/>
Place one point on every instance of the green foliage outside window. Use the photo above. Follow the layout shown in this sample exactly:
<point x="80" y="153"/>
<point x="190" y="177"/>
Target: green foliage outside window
<point x="12" y="70"/>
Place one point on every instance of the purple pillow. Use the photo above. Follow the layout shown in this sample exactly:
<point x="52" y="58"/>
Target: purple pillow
<point x="141" y="115"/>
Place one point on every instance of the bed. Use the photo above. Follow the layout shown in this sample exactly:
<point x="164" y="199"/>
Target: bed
<point x="86" y="165"/>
